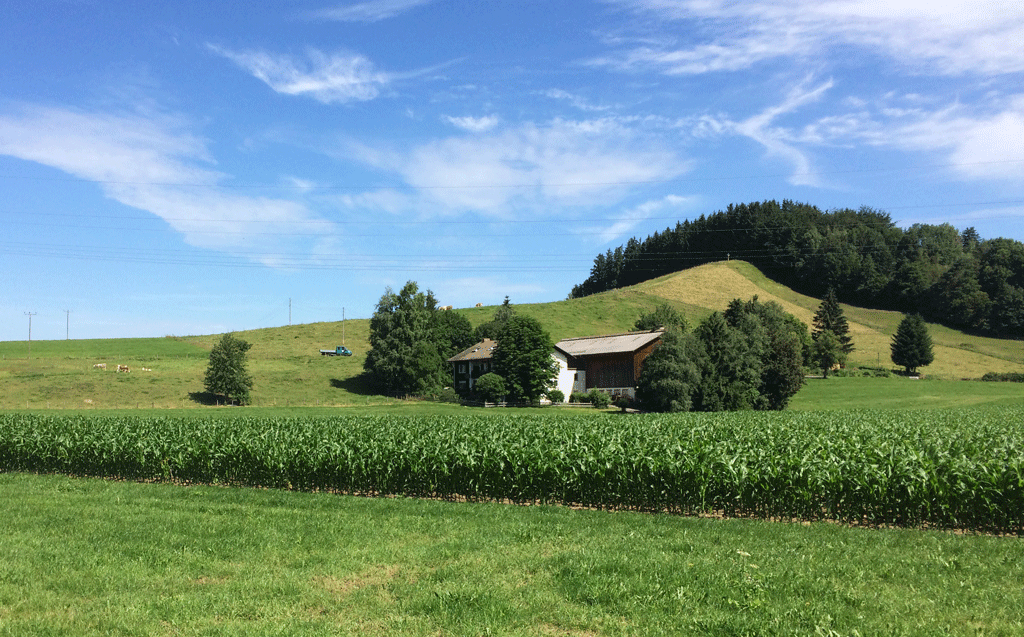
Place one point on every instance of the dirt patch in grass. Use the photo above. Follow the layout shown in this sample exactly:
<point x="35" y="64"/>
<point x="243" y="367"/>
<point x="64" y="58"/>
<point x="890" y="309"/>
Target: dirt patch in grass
<point x="376" y="576"/>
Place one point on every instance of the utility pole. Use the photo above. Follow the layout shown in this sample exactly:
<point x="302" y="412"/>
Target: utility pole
<point x="343" y="327"/>
<point x="289" y="311"/>
<point x="67" y="328"/>
<point x="30" y="315"/>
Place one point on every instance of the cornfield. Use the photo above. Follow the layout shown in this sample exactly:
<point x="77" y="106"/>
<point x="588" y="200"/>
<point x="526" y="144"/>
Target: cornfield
<point x="953" y="468"/>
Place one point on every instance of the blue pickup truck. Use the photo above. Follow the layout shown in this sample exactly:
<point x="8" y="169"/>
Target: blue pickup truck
<point x="341" y="350"/>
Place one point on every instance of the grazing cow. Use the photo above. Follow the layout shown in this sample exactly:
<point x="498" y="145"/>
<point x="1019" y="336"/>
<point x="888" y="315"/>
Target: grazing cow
<point x="445" y="307"/>
<point x="123" y="368"/>
<point x="146" y="369"/>
<point x="102" y="366"/>
<point x="479" y="304"/>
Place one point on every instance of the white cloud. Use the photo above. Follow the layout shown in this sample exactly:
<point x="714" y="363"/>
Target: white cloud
<point x="945" y="37"/>
<point x="573" y="99"/>
<point x="337" y="78"/>
<point x="529" y="168"/>
<point x="157" y="166"/>
<point x="777" y="140"/>
<point x="631" y="218"/>
<point x="986" y="146"/>
<point x="373" y="11"/>
<point x="975" y="145"/>
<point x="474" y="124"/>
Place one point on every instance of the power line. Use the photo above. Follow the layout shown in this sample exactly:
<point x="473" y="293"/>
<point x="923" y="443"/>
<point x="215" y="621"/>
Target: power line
<point x="680" y="180"/>
<point x="376" y="221"/>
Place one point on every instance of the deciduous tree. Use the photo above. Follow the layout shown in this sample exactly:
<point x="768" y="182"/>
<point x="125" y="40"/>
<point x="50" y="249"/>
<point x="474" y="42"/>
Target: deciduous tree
<point x="226" y="374"/>
<point x="663" y="315"/>
<point x="405" y="354"/>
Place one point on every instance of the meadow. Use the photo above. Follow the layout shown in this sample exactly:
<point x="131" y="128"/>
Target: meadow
<point x="289" y="371"/>
<point x="82" y="556"/>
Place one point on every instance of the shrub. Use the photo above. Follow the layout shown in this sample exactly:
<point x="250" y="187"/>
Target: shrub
<point x="623" y="402"/>
<point x="448" y="395"/>
<point x="579" y="397"/>
<point x="556" y="396"/>
<point x="599" y="399"/>
<point x="490" y="387"/>
<point x="1005" y="377"/>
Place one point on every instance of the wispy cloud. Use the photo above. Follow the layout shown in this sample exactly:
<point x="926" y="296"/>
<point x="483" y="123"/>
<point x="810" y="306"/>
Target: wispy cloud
<point x="633" y="217"/>
<point x="778" y="141"/>
<point x="328" y="78"/>
<point x="978" y="146"/>
<point x="373" y="11"/>
<point x="575" y="100"/>
<point x="975" y="142"/>
<point x="522" y="170"/>
<point x="944" y="37"/>
<point x="474" y="124"/>
<point x="156" y="165"/>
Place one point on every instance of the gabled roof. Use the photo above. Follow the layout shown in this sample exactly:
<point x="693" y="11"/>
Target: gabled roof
<point x="482" y="351"/>
<point x="608" y="344"/>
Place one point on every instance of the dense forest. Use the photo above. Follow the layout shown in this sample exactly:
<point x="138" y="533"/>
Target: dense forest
<point x="950" y="277"/>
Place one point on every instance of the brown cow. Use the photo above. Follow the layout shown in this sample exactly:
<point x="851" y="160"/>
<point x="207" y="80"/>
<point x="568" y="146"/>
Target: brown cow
<point x="123" y="368"/>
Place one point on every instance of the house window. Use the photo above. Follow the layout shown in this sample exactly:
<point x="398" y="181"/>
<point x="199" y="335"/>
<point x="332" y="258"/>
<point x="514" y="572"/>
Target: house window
<point x="462" y="368"/>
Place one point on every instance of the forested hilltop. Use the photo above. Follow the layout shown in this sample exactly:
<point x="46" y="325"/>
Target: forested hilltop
<point x="951" y="277"/>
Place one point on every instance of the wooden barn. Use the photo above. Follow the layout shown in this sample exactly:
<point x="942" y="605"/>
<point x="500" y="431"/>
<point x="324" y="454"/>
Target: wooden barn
<point x="610" y="363"/>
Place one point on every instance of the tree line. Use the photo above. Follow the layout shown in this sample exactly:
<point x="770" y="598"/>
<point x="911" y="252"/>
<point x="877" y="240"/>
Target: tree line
<point x="948" y="276"/>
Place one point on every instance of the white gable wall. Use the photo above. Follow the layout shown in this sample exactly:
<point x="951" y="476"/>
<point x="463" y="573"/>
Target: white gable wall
<point x="564" y="380"/>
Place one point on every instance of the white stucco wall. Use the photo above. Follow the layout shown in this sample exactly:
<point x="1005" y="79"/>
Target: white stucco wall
<point x="565" y="375"/>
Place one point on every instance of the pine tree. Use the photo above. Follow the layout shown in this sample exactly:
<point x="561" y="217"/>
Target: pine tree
<point x="912" y="345"/>
<point x="830" y="317"/>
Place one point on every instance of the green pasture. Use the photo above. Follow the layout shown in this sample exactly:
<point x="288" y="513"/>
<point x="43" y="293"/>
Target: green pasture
<point x="837" y="393"/>
<point x="289" y="371"/>
<point x="91" y="557"/>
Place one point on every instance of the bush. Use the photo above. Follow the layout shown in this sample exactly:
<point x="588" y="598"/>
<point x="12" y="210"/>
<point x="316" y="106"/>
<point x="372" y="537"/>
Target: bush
<point x="1005" y="377"/>
<point x="623" y="402"/>
<point x="579" y="397"/>
<point x="869" y="372"/>
<point x="448" y="395"/>
<point x="556" y="396"/>
<point x="599" y="399"/>
<point x="490" y="387"/>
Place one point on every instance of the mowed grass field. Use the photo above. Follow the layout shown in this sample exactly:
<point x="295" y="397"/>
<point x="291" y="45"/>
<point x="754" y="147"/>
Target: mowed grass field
<point x="94" y="557"/>
<point x="289" y="371"/>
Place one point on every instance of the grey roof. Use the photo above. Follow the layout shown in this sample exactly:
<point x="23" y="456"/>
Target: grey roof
<point x="482" y="351"/>
<point x="609" y="344"/>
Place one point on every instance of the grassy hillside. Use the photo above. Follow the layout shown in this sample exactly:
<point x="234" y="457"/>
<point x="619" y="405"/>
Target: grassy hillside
<point x="289" y="371"/>
<point x="957" y="355"/>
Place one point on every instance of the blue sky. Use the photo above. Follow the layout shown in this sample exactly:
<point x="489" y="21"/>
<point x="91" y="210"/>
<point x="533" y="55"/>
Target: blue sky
<point x="194" y="167"/>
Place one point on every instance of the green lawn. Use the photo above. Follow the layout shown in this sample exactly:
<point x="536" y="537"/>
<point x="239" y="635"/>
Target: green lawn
<point x="902" y="393"/>
<point x="93" y="557"/>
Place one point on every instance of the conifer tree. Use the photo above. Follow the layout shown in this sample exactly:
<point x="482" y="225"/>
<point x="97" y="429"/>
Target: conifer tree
<point x="912" y="345"/>
<point x="830" y="318"/>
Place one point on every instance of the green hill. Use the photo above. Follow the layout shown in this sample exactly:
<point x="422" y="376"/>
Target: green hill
<point x="289" y="371"/>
